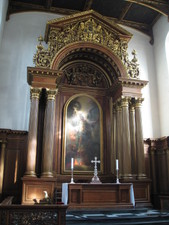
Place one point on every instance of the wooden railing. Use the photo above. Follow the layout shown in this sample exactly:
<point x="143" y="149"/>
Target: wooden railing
<point x="33" y="214"/>
<point x="7" y="201"/>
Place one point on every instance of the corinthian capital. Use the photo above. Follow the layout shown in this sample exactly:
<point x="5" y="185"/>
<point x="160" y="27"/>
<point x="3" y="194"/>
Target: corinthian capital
<point x="125" y="101"/>
<point x="35" y="92"/>
<point x="51" y="93"/>
<point x="138" y="102"/>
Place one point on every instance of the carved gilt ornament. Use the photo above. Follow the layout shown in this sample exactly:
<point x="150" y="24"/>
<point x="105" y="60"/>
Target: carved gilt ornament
<point x="88" y="29"/>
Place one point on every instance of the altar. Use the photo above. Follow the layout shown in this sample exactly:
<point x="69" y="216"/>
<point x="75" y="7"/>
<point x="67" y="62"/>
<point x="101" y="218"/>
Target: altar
<point x="105" y="195"/>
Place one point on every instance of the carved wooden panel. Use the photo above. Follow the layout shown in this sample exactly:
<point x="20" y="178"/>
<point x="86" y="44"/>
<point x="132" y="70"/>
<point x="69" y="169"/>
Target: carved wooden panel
<point x="158" y="150"/>
<point x="99" y="195"/>
<point x="84" y="74"/>
<point x="33" y="188"/>
<point x="34" y="215"/>
<point x="142" y="192"/>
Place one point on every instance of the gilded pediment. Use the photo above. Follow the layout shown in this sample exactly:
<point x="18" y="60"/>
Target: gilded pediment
<point x="85" y="27"/>
<point x="90" y="21"/>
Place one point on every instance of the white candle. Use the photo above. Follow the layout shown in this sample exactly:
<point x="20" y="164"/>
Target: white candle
<point x="117" y="164"/>
<point x="72" y="163"/>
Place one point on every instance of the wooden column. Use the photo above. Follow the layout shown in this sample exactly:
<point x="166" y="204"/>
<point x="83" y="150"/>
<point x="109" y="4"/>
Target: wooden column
<point x="139" y="140"/>
<point x="119" y="154"/>
<point x="32" y="136"/>
<point x="113" y="141"/>
<point x="48" y="138"/>
<point x="2" y="163"/>
<point x="126" y="144"/>
<point x="133" y="140"/>
<point x="113" y="138"/>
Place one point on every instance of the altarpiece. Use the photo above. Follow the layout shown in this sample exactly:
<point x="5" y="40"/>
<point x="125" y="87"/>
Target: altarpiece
<point x="85" y="101"/>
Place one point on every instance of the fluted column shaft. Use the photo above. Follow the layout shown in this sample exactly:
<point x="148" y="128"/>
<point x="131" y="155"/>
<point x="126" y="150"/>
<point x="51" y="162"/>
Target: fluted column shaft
<point x="32" y="136"/>
<point x="126" y="147"/>
<point x="2" y="164"/>
<point x="119" y="154"/>
<point x="139" y="140"/>
<point x="48" y="137"/>
<point x="133" y="140"/>
<point x="113" y="142"/>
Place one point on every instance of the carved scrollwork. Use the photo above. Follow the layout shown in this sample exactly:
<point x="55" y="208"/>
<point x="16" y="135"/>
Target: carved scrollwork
<point x="133" y="70"/>
<point x="86" y="31"/>
<point x="132" y="66"/>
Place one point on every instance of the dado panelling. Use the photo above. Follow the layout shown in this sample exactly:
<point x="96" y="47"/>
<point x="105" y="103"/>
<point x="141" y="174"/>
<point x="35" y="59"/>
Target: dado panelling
<point x="14" y="145"/>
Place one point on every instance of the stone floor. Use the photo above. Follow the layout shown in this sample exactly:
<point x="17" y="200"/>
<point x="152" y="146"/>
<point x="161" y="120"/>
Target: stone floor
<point x="118" y="217"/>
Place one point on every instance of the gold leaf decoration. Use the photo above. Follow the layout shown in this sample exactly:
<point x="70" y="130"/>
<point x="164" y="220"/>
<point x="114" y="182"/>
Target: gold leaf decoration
<point x="85" y="31"/>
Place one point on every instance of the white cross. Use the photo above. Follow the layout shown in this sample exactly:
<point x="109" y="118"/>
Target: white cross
<point x="95" y="161"/>
<point x="95" y="179"/>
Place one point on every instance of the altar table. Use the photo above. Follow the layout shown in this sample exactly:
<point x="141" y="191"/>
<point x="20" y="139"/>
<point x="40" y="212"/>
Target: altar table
<point x="105" y="195"/>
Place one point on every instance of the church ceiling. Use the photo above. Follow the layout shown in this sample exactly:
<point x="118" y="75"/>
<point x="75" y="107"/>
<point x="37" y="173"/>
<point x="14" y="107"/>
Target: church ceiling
<point x="138" y="14"/>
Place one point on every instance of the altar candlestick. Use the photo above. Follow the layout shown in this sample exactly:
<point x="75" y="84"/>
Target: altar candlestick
<point x="72" y="163"/>
<point x="117" y="171"/>
<point x="72" y="166"/>
<point x="117" y="164"/>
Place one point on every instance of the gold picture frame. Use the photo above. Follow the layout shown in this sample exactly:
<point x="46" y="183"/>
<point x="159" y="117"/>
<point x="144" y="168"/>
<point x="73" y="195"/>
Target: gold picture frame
<point x="83" y="134"/>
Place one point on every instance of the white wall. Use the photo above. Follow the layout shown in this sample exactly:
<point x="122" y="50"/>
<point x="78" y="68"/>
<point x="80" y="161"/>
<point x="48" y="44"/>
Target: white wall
<point x="16" y="54"/>
<point x="160" y="32"/>
<point x="145" y="55"/>
<point x="18" y="47"/>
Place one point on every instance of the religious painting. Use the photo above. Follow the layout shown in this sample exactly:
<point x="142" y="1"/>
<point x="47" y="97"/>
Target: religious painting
<point x="82" y="133"/>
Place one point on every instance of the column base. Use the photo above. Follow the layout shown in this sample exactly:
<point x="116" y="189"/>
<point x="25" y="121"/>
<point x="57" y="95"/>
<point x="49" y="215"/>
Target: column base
<point x="47" y="174"/>
<point x="134" y="176"/>
<point x="141" y="176"/>
<point x="30" y="174"/>
<point x="127" y="177"/>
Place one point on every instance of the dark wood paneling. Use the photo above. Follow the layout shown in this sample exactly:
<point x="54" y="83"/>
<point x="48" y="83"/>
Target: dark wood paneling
<point x="158" y="165"/>
<point x="15" y="162"/>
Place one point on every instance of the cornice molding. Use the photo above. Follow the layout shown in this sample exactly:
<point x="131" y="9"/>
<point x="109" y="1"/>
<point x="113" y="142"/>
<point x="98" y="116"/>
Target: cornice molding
<point x="127" y="88"/>
<point x="9" y="131"/>
<point x="158" y="144"/>
<point x="43" y="78"/>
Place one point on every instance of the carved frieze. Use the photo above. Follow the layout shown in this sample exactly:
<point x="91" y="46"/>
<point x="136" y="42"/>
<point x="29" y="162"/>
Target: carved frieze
<point x="92" y="58"/>
<point x="84" y="74"/>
